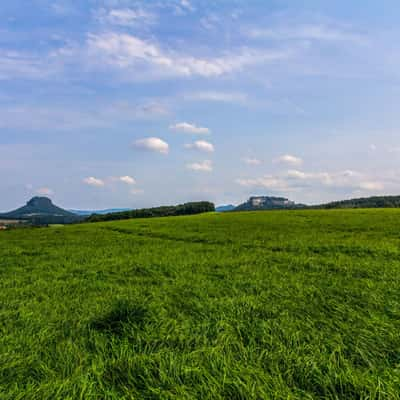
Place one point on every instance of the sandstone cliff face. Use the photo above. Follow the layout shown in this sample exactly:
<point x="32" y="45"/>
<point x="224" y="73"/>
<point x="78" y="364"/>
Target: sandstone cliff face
<point x="266" y="203"/>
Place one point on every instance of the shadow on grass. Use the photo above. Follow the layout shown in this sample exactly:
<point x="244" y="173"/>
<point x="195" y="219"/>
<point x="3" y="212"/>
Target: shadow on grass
<point x="122" y="315"/>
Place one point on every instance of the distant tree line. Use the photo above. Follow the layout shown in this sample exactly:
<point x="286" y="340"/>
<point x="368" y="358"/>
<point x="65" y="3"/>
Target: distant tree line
<point x="164" y="211"/>
<point x="367" y="202"/>
<point x="277" y="203"/>
<point x="42" y="220"/>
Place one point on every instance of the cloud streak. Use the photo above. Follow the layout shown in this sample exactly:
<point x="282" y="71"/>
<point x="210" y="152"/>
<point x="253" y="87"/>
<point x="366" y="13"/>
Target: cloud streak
<point x="321" y="32"/>
<point x="44" y="117"/>
<point x="217" y="97"/>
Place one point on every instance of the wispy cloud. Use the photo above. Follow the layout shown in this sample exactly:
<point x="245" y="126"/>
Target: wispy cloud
<point x="211" y="21"/>
<point x="131" y="53"/>
<point x="62" y="8"/>
<point x="24" y="65"/>
<point x="186" y="4"/>
<point x="251" y="161"/>
<point x="126" y="17"/>
<point x="43" y="117"/>
<point x="294" y="180"/>
<point x="181" y="7"/>
<point x="314" y="31"/>
<point x="92" y="181"/>
<point x="342" y="179"/>
<point x="203" y="166"/>
<point x="217" y="96"/>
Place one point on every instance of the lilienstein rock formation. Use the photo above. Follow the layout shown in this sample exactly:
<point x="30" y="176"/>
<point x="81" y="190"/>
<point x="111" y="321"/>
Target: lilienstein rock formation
<point x="41" y="211"/>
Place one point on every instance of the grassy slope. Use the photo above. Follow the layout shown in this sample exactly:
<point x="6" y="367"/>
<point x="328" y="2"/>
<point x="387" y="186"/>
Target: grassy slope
<point x="283" y="305"/>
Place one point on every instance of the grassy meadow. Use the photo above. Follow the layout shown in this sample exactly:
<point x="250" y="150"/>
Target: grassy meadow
<point x="261" y="305"/>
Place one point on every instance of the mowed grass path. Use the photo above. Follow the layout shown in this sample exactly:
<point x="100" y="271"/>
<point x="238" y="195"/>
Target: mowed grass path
<point x="267" y="305"/>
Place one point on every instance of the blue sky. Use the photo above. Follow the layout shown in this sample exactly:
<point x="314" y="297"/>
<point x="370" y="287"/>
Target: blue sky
<point x="122" y="103"/>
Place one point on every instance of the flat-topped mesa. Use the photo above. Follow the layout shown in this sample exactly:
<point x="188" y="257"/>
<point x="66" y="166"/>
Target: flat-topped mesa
<point x="267" y="203"/>
<point x="262" y="201"/>
<point x="40" y="202"/>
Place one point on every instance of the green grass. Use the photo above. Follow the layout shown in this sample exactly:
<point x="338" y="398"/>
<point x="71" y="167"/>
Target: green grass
<point x="267" y="305"/>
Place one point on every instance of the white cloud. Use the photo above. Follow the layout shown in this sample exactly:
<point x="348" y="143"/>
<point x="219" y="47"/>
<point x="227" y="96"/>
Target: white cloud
<point x="251" y="161"/>
<point x="45" y="191"/>
<point x="203" y="166"/>
<point x="289" y="159"/>
<point x="189" y="128"/>
<point x="127" y="179"/>
<point x="92" y="181"/>
<point x="201" y="145"/>
<point x="140" y="57"/>
<point x="152" y="144"/>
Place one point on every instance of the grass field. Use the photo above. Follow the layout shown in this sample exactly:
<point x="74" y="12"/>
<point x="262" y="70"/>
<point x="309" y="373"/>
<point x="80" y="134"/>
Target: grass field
<point x="267" y="305"/>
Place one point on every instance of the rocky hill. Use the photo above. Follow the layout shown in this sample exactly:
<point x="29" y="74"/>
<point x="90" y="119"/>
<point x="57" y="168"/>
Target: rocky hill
<point x="267" y="203"/>
<point x="41" y="211"/>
